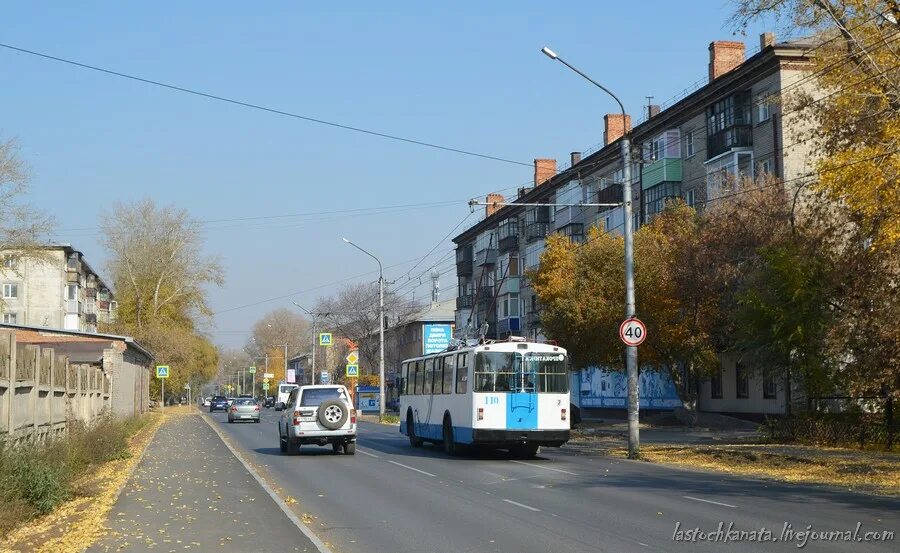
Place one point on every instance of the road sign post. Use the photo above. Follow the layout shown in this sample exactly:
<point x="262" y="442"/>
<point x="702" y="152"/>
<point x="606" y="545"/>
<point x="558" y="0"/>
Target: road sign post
<point x="162" y="373"/>
<point x="252" y="371"/>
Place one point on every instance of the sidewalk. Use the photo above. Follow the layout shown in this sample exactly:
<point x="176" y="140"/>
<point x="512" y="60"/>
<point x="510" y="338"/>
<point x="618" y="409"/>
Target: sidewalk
<point x="189" y="493"/>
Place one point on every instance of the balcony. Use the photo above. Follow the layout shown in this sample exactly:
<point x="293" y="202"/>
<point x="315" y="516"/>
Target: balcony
<point x="485" y="294"/>
<point x="738" y="136"/>
<point x="464" y="260"/>
<point x="465" y="302"/>
<point x="661" y="170"/>
<point x="72" y="278"/>
<point x="612" y="194"/>
<point x="510" y="285"/>
<point x="536" y="231"/>
<point x="90" y="319"/>
<point x="509" y="236"/>
<point x="509" y="326"/>
<point x="487" y="256"/>
<point x="73" y="306"/>
<point x="573" y="231"/>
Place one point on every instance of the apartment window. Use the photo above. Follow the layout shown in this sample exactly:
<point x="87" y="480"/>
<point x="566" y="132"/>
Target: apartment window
<point x="10" y="291"/>
<point x="770" y="391"/>
<point x="10" y="262"/>
<point x="767" y="166"/>
<point x="462" y="373"/>
<point x="723" y="175"/>
<point x="762" y="107"/>
<point x="742" y="381"/>
<point x="689" y="144"/>
<point x="10" y="318"/>
<point x="72" y="292"/>
<point x="689" y="197"/>
<point x="715" y="385"/>
<point x="606" y="224"/>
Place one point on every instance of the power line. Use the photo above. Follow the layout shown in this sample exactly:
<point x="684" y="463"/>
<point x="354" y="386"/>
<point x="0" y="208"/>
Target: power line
<point x="262" y="108"/>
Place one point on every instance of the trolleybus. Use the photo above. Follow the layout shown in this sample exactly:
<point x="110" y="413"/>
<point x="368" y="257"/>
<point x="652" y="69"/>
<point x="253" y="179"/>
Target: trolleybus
<point x="509" y="395"/>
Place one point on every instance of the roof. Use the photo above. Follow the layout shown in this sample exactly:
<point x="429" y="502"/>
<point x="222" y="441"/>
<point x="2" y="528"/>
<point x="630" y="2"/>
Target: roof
<point x="759" y="62"/>
<point x="68" y="249"/>
<point x="45" y="335"/>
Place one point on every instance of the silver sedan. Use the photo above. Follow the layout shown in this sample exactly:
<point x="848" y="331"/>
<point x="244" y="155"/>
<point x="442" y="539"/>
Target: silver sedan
<point x="243" y="409"/>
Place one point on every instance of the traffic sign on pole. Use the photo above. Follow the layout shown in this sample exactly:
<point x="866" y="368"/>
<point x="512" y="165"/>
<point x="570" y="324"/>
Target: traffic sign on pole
<point x="252" y="370"/>
<point x="632" y="332"/>
<point x="353" y="357"/>
<point x="325" y="339"/>
<point x="352" y="370"/>
<point x="162" y="371"/>
<point x="266" y="386"/>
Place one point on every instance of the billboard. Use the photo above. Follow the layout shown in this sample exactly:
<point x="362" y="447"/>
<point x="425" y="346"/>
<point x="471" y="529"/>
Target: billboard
<point x="436" y="337"/>
<point x="607" y="388"/>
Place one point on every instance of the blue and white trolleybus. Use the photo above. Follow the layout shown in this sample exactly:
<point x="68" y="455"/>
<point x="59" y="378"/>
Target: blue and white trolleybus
<point x="510" y="395"/>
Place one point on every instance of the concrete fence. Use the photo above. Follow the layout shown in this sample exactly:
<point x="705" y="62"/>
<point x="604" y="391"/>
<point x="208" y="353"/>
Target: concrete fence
<point x="41" y="392"/>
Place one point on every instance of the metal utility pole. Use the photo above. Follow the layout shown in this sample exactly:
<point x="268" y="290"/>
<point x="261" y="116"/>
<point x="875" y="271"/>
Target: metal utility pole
<point x="380" y="327"/>
<point x="315" y="321"/>
<point x="630" y="351"/>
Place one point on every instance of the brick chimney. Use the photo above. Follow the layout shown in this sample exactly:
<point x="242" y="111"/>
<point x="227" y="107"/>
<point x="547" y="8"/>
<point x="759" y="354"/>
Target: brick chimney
<point x="544" y="169"/>
<point x="766" y="40"/>
<point x="724" y="55"/>
<point x="492" y="200"/>
<point x="574" y="158"/>
<point x="615" y="127"/>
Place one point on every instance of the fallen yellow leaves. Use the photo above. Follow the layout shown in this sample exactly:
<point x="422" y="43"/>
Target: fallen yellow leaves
<point x="864" y="471"/>
<point x="88" y="513"/>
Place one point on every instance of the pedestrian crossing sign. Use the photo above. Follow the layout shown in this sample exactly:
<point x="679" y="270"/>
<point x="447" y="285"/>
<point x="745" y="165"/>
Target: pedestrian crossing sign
<point x="325" y="339"/>
<point x="352" y="370"/>
<point x="162" y="371"/>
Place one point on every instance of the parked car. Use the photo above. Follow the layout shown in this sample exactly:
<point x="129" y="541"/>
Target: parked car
<point x="207" y="401"/>
<point x="319" y="415"/>
<point x="269" y="402"/>
<point x="244" y="409"/>
<point x="218" y="403"/>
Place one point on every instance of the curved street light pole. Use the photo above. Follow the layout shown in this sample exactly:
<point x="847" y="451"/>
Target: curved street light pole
<point x="380" y="326"/>
<point x="630" y="351"/>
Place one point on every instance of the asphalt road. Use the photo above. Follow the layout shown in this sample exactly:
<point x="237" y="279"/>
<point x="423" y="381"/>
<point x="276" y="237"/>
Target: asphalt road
<point x="392" y="498"/>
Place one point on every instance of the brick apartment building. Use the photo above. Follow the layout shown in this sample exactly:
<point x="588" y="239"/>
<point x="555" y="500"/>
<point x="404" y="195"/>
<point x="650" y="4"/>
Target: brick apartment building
<point x="58" y="290"/>
<point x="730" y="126"/>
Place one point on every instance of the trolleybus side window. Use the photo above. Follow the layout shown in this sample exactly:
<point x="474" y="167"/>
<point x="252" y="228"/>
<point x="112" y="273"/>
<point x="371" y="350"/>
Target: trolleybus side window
<point x="462" y="373"/>
<point x="404" y="368"/>
<point x="438" y="375"/>
<point x="448" y="374"/>
<point x="419" y="379"/>
<point x="429" y="377"/>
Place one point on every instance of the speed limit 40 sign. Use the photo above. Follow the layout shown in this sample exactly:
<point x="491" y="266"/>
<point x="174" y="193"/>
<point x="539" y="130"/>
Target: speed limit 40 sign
<point x="632" y="331"/>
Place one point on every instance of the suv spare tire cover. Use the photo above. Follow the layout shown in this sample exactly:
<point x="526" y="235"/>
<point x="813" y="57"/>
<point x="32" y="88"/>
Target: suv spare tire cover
<point x="330" y="408"/>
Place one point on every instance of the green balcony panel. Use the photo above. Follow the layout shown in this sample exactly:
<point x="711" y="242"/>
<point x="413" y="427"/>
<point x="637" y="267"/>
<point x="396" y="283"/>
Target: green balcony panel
<point x="661" y="170"/>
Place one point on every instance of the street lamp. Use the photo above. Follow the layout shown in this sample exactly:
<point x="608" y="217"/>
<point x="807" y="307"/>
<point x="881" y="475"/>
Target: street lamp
<point x="630" y="351"/>
<point x="380" y="326"/>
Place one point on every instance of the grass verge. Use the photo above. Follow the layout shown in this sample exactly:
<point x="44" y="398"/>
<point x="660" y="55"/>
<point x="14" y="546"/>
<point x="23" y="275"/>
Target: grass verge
<point x="70" y="482"/>
<point x="851" y="469"/>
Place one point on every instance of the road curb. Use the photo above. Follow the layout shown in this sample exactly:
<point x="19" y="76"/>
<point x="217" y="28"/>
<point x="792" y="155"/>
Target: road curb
<point x="320" y="545"/>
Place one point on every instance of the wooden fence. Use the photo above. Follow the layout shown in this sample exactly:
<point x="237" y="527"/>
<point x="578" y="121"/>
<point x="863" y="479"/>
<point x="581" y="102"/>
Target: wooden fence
<point x="42" y="393"/>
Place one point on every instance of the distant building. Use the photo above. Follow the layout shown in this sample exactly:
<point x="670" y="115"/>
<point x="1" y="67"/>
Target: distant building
<point x="427" y="331"/>
<point x="692" y="150"/>
<point x="59" y="291"/>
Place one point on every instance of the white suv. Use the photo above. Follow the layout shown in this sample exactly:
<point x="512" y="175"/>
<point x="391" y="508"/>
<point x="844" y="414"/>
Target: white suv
<point x="318" y="415"/>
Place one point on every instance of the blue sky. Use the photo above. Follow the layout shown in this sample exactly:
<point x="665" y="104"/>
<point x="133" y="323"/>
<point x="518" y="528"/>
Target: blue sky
<point x="467" y="75"/>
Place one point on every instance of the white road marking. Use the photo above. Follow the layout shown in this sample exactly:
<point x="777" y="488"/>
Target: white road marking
<point x="543" y="467"/>
<point x="522" y="505"/>
<point x="412" y="468"/>
<point x="369" y="454"/>
<point x="642" y="543"/>
<point x="708" y="501"/>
